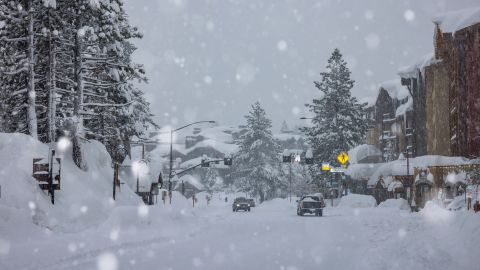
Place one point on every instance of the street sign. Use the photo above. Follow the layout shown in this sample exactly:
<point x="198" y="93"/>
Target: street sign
<point x="297" y="158"/>
<point x="342" y="158"/>
<point x="337" y="170"/>
<point x="325" y="167"/>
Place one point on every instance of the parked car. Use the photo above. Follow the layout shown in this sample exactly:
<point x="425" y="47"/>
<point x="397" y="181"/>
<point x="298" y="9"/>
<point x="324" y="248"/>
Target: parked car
<point x="310" y="204"/>
<point x="240" y="203"/>
<point x="251" y="202"/>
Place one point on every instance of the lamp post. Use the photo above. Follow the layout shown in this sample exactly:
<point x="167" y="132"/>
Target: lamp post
<point x="171" y="153"/>
<point x="137" y="168"/>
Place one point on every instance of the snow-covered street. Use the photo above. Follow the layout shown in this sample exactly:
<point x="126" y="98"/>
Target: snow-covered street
<point x="271" y="236"/>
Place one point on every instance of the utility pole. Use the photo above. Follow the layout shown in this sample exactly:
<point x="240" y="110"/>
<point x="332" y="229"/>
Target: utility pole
<point x="115" y="178"/>
<point x="331" y="190"/>
<point x="170" y="170"/>
<point x="290" y="180"/>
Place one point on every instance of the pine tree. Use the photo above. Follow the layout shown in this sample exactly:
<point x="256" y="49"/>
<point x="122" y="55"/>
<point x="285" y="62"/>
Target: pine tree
<point x="339" y="119"/>
<point x="67" y="71"/>
<point x="210" y="179"/>
<point x="17" y="73"/>
<point x="256" y="167"/>
<point x="284" y="128"/>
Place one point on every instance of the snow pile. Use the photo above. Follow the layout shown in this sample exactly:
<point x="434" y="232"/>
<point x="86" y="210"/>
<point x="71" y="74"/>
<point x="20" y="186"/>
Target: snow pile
<point x="357" y="201"/>
<point x="450" y="22"/>
<point x="400" y="204"/>
<point x="458" y="203"/>
<point x="85" y="198"/>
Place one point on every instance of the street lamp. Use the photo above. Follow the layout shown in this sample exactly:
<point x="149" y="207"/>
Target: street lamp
<point x="137" y="167"/>
<point x="171" y="153"/>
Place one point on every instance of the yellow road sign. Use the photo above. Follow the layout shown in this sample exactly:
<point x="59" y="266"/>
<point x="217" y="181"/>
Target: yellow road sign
<point x="325" y="167"/>
<point x="342" y="158"/>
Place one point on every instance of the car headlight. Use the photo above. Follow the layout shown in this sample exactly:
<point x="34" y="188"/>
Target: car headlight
<point x="248" y="204"/>
<point x="238" y="205"/>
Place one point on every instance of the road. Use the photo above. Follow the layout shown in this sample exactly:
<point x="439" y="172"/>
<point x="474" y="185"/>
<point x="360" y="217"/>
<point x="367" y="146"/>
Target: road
<point x="271" y="236"/>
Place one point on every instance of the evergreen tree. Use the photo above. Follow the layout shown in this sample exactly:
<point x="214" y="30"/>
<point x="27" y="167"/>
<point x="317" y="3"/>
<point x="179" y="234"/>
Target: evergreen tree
<point x="67" y="71"/>
<point x="210" y="179"/>
<point x="284" y="128"/>
<point x="339" y="121"/>
<point x="256" y="166"/>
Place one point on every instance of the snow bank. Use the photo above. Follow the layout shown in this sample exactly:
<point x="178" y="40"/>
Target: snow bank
<point x="458" y="203"/>
<point x="357" y="201"/>
<point x="85" y="198"/>
<point x="400" y="204"/>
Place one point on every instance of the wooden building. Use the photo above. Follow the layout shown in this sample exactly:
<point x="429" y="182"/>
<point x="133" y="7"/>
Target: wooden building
<point x="393" y="117"/>
<point x="457" y="45"/>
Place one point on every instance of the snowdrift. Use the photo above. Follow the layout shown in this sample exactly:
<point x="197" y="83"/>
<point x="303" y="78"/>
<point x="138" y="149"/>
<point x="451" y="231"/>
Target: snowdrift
<point x="85" y="198"/>
<point x="400" y="204"/>
<point x="357" y="201"/>
<point x="458" y="203"/>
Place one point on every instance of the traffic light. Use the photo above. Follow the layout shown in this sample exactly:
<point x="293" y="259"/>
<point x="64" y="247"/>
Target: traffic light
<point x="227" y="161"/>
<point x="205" y="163"/>
<point x="309" y="161"/>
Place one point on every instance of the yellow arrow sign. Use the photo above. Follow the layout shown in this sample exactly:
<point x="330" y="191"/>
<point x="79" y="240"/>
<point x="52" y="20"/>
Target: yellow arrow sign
<point x="342" y="158"/>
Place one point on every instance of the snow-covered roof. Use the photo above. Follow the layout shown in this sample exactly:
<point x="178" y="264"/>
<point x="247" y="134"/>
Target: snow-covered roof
<point x="399" y="167"/>
<point x="361" y="171"/>
<point x="454" y="178"/>
<point x="453" y="21"/>
<point x="404" y="108"/>
<point x="412" y="70"/>
<point x="191" y="180"/>
<point x="362" y="151"/>
<point x="395" y="89"/>
<point x="394" y="185"/>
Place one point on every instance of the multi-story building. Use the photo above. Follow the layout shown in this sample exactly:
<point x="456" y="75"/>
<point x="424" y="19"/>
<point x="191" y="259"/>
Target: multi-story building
<point x="457" y="45"/>
<point x="392" y="119"/>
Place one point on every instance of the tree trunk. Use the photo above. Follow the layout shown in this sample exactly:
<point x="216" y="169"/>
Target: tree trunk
<point x="32" y="115"/>
<point x="78" y="99"/>
<point x="262" y="195"/>
<point x="50" y="85"/>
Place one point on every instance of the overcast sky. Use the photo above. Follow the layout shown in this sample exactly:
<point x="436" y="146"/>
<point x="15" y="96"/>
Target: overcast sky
<point x="211" y="59"/>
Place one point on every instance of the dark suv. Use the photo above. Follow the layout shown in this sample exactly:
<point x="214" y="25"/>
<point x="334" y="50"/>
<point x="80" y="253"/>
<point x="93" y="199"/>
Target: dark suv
<point x="310" y="204"/>
<point x="240" y="203"/>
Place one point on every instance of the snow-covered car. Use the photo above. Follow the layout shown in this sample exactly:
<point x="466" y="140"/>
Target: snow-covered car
<point x="251" y="202"/>
<point x="310" y="204"/>
<point x="240" y="203"/>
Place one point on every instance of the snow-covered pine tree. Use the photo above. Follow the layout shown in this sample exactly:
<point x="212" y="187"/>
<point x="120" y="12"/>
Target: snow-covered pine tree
<point x="284" y="128"/>
<point x="17" y="74"/>
<point x="339" y="121"/>
<point x="210" y="179"/>
<point x="255" y="167"/>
